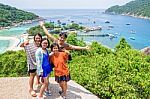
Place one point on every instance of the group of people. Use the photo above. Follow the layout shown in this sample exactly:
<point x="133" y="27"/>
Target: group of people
<point x="41" y="61"/>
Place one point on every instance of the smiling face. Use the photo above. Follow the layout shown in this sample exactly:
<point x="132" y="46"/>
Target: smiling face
<point x="62" y="39"/>
<point x="44" y="44"/>
<point x="37" y="40"/>
<point x="55" y="49"/>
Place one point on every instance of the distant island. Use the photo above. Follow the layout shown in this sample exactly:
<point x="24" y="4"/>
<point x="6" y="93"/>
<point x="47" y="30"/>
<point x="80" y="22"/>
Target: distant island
<point x="11" y="16"/>
<point x="136" y="8"/>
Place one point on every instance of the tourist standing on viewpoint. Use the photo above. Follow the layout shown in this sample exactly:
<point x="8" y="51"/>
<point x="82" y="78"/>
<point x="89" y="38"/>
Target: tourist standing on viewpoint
<point x="62" y="75"/>
<point x="30" y="49"/>
<point x="44" y="67"/>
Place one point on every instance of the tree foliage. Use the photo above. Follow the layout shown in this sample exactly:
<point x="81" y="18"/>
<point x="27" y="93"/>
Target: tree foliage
<point x="54" y="28"/>
<point x="122" y="45"/>
<point x="136" y="7"/>
<point x="10" y="15"/>
<point x="13" y="64"/>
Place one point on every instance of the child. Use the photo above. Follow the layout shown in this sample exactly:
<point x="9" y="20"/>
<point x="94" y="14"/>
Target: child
<point x="43" y="66"/>
<point x="62" y="75"/>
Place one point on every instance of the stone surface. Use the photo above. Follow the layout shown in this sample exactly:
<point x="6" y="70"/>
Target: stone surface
<point x="17" y="88"/>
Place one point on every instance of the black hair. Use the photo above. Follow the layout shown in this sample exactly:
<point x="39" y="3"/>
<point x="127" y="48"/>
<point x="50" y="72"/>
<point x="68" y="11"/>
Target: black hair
<point x="47" y="41"/>
<point x="64" y="34"/>
<point x="38" y="34"/>
<point x="53" y="45"/>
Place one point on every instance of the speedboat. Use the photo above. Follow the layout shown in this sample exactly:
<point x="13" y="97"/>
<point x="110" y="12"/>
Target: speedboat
<point x="107" y="21"/>
<point x="132" y="38"/>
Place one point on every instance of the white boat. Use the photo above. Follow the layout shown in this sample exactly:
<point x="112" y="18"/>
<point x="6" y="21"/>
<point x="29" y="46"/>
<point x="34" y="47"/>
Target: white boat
<point x="132" y="31"/>
<point x="111" y="36"/>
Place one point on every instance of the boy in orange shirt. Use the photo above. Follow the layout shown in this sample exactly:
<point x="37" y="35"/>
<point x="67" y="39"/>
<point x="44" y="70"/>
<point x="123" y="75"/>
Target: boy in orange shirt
<point x="62" y="75"/>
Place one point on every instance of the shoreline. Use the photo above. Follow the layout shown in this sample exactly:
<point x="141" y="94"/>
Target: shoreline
<point x="13" y="42"/>
<point x="135" y="16"/>
<point x="130" y="15"/>
<point x="22" y="23"/>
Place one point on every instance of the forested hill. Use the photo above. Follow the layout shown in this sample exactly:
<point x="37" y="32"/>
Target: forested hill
<point x="140" y="8"/>
<point x="11" y="15"/>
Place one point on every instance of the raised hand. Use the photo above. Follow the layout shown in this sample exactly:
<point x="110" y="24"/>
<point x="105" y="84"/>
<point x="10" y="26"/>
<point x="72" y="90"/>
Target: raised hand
<point x="26" y="43"/>
<point x="87" y="48"/>
<point x="41" y="23"/>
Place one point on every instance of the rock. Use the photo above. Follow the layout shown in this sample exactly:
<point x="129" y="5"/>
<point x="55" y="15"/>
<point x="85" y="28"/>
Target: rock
<point x="146" y="50"/>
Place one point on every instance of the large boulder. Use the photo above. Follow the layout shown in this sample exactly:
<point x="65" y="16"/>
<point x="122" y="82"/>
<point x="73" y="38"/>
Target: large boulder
<point x="146" y="50"/>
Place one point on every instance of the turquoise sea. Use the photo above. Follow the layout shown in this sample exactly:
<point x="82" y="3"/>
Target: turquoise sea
<point x="136" y="31"/>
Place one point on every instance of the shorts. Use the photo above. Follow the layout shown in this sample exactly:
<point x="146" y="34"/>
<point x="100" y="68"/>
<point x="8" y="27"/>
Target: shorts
<point x="66" y="78"/>
<point x="69" y="57"/>
<point x="32" y="71"/>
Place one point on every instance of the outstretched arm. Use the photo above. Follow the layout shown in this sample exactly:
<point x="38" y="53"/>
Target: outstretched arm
<point x="50" y="36"/>
<point x="72" y="47"/>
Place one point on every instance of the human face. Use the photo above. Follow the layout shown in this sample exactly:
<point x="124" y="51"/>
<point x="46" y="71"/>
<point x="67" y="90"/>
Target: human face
<point x="62" y="39"/>
<point x="55" y="49"/>
<point x="44" y="44"/>
<point x="38" y="40"/>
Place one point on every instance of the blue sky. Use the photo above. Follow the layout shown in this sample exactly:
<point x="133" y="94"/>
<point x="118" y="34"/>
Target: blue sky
<point x="63" y="4"/>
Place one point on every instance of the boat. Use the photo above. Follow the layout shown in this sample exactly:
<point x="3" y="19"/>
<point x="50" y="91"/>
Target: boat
<point x="111" y="36"/>
<point x="116" y="33"/>
<point x="132" y="38"/>
<point x="132" y="31"/>
<point x="107" y="21"/>
<point x="58" y="22"/>
<point x="72" y="21"/>
<point x="110" y="26"/>
<point x="128" y="23"/>
<point x="8" y="27"/>
<point x="63" y="23"/>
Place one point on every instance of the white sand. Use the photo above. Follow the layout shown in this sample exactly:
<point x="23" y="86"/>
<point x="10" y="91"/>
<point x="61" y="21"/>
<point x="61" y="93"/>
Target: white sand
<point x="13" y="42"/>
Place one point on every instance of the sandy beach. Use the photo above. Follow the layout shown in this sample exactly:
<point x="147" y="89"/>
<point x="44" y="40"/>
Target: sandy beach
<point x="14" y="42"/>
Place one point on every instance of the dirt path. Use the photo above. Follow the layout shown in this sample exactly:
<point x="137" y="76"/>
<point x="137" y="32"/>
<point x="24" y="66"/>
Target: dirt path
<point x="17" y="88"/>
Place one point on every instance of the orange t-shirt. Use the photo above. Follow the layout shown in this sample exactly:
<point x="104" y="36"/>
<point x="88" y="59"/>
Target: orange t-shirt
<point x="60" y="63"/>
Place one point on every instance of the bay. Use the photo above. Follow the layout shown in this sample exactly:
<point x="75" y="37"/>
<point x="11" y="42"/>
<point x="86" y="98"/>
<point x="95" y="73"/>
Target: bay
<point x="136" y="31"/>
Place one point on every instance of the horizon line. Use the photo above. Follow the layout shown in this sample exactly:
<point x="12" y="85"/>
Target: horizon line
<point x="64" y="9"/>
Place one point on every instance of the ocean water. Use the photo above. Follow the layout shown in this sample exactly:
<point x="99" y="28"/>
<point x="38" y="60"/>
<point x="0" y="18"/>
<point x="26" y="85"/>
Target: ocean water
<point x="16" y="32"/>
<point x="139" y="29"/>
<point x="4" y="45"/>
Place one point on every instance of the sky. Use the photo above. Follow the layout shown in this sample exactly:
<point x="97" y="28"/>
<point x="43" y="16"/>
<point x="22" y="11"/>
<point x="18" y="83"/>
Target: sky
<point x="63" y="4"/>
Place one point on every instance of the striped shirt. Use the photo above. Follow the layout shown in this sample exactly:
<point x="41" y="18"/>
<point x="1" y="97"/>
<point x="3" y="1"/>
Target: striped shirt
<point x="30" y="51"/>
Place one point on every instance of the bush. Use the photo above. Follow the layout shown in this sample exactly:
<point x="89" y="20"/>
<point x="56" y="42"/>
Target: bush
<point x="13" y="64"/>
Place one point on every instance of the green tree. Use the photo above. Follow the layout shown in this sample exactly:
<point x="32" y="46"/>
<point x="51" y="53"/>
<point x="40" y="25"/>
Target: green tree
<point x="122" y="45"/>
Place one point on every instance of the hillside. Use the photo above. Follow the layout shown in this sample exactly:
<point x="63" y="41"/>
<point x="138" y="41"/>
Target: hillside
<point x="139" y="8"/>
<point x="9" y="16"/>
<point x="120" y="74"/>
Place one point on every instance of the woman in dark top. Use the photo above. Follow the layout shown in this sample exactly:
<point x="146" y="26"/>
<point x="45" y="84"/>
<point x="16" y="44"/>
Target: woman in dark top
<point x="61" y="40"/>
